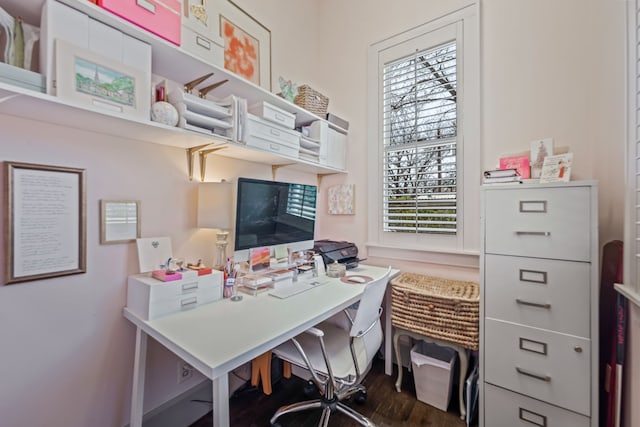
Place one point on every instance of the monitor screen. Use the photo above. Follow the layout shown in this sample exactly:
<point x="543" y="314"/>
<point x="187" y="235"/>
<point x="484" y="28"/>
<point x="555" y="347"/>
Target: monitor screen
<point x="271" y="213"/>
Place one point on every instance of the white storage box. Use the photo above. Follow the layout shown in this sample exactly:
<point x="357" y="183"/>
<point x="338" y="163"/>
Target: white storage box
<point x="273" y="114"/>
<point x="270" y="137"/>
<point x="432" y="367"/>
<point x="150" y="298"/>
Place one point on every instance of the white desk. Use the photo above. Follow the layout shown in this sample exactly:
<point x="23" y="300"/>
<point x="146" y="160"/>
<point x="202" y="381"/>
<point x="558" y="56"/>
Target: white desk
<point x="218" y="337"/>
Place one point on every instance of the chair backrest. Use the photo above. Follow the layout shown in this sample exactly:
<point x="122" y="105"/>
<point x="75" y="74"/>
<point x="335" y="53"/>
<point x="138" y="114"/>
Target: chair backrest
<point x="369" y="306"/>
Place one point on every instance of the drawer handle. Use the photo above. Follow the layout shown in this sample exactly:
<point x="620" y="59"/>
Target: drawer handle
<point x="533" y="206"/>
<point x="534" y="304"/>
<point x="533" y="233"/>
<point x="280" y="117"/>
<point x="274" y="147"/>
<point x="146" y="4"/>
<point x="533" y="418"/>
<point x="540" y="377"/>
<point x="203" y="43"/>
<point x="275" y="132"/>
<point x="188" y="301"/>
<point x="577" y="349"/>
<point x="189" y="287"/>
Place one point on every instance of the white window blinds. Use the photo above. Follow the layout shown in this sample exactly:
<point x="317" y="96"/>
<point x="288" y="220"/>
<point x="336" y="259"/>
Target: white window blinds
<point x="301" y="201"/>
<point x="419" y="134"/>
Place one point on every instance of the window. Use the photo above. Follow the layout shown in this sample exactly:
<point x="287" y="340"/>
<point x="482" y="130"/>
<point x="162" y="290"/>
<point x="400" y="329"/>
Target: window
<point x="424" y="136"/>
<point x="419" y="138"/>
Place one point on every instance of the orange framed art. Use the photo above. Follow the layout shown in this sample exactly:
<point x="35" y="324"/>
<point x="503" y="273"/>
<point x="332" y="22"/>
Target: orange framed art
<point x="247" y="45"/>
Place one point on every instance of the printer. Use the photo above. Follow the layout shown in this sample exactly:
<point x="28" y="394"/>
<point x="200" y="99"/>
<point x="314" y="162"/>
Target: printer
<point x="344" y="252"/>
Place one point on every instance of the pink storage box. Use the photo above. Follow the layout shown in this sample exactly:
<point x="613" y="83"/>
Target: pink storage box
<point x="162" y="18"/>
<point x="164" y="276"/>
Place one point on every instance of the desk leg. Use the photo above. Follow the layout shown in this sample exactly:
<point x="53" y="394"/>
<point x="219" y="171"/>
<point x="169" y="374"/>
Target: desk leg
<point x="137" y="392"/>
<point x="220" y="401"/>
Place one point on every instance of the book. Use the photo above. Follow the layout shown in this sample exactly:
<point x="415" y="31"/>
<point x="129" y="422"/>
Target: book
<point x="520" y="163"/>
<point x="503" y="180"/>
<point x="556" y="168"/>
<point x="501" y="173"/>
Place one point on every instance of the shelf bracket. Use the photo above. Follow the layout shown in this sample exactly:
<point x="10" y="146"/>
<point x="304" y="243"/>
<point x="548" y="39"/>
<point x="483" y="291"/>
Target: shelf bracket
<point x="203" y="159"/>
<point x="191" y="153"/>
<point x="274" y="169"/>
<point x="322" y="175"/>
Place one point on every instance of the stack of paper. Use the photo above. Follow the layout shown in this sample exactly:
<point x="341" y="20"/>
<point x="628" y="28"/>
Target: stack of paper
<point x="501" y="176"/>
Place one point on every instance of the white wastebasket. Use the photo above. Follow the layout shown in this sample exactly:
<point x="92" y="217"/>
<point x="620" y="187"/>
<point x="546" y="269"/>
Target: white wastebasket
<point x="432" y="367"/>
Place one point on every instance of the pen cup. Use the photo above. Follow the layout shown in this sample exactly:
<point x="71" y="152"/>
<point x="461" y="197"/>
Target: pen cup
<point x="232" y="287"/>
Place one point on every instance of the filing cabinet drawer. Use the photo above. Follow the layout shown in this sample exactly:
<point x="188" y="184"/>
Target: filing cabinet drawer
<point x="542" y="364"/>
<point x="539" y="222"/>
<point x="208" y="49"/>
<point x="548" y="294"/>
<point x="150" y="298"/>
<point x="508" y="409"/>
<point x="274" y="114"/>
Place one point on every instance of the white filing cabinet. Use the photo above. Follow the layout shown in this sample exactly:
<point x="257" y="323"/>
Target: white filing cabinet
<point x="539" y="305"/>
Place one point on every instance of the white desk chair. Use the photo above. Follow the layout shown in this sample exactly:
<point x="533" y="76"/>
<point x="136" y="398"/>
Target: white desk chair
<point x="338" y="359"/>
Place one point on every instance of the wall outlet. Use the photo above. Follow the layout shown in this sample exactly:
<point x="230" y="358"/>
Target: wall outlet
<point x="185" y="371"/>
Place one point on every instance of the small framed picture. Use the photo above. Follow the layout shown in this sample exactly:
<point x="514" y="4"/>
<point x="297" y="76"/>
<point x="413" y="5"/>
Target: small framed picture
<point x="540" y="148"/>
<point x="119" y="221"/>
<point x="260" y="258"/>
<point x="557" y="168"/>
<point x="87" y="78"/>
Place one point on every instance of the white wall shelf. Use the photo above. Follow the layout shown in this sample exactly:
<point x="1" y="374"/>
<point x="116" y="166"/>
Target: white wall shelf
<point x="168" y="61"/>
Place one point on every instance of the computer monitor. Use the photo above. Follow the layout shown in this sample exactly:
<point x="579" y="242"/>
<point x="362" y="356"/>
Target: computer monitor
<point x="272" y="213"/>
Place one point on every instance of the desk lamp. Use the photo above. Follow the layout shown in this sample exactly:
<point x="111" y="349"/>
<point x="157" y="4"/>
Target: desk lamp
<point x="214" y="211"/>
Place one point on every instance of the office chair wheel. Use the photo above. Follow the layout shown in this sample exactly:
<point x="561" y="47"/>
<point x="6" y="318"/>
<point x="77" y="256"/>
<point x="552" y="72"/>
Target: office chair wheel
<point x="309" y="388"/>
<point x="360" y="397"/>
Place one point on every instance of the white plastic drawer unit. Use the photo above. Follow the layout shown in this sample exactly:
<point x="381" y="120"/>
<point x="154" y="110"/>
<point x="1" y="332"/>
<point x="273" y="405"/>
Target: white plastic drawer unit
<point x="542" y="293"/>
<point x="545" y="365"/>
<point x="270" y="137"/>
<point x="539" y="222"/>
<point x="508" y="409"/>
<point x="150" y="298"/>
<point x="273" y="114"/>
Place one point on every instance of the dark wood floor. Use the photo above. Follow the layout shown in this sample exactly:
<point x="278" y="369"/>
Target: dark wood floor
<point x="384" y="406"/>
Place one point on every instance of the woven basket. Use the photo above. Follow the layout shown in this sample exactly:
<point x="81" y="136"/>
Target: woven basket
<point x="311" y="100"/>
<point x="440" y="308"/>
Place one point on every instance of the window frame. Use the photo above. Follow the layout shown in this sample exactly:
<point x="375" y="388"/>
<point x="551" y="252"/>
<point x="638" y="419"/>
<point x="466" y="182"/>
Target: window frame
<point x="463" y="247"/>
<point x="631" y="277"/>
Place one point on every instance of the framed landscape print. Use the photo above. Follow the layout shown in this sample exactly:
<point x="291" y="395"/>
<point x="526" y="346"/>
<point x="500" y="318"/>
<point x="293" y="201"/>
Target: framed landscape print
<point x="96" y="81"/>
<point x="247" y="45"/>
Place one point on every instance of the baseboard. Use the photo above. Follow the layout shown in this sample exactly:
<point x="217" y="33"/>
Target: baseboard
<point x="191" y="405"/>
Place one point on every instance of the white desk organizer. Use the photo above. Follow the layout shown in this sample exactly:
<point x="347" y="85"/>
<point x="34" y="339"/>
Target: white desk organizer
<point x="150" y="298"/>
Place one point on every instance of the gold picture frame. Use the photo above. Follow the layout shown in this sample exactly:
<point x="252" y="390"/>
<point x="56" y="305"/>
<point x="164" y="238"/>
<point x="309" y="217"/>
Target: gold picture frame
<point x="45" y="221"/>
<point x="119" y="221"/>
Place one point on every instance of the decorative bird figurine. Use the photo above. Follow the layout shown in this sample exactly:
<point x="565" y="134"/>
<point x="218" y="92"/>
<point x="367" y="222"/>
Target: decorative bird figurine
<point x="288" y="89"/>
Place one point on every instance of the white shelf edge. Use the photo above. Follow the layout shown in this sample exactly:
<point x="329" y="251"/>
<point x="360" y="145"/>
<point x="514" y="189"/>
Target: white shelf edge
<point x="631" y="294"/>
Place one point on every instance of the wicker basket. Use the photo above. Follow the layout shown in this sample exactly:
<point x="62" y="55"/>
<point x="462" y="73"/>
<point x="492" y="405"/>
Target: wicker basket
<point x="312" y="100"/>
<point x="439" y="308"/>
